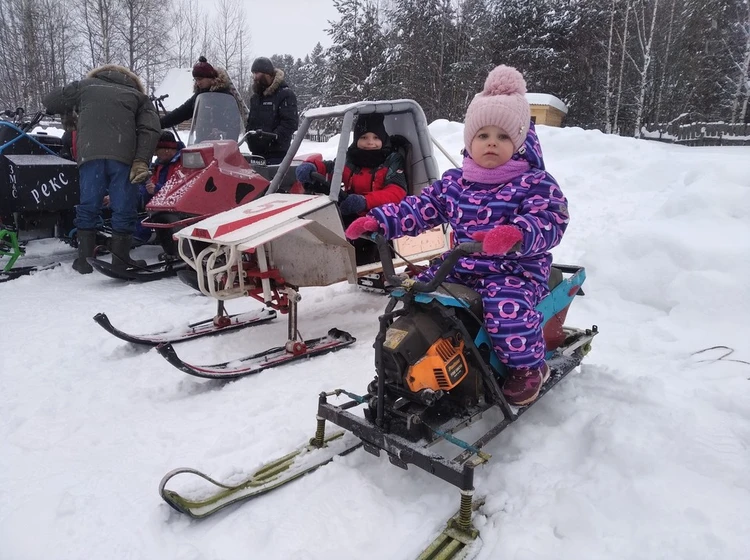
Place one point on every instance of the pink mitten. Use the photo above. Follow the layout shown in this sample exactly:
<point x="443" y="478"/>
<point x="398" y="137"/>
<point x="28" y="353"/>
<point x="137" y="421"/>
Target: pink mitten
<point x="479" y="236"/>
<point x="361" y="226"/>
<point x="500" y="239"/>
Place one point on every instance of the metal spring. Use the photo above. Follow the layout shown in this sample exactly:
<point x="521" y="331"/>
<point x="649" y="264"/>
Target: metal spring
<point x="464" y="512"/>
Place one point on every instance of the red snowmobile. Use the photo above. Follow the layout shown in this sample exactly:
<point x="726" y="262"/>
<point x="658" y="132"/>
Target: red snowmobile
<point x="213" y="176"/>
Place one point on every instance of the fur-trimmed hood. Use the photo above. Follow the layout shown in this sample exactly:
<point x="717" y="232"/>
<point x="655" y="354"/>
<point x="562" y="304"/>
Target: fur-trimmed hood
<point x="222" y="82"/>
<point x="278" y="80"/>
<point x="117" y="74"/>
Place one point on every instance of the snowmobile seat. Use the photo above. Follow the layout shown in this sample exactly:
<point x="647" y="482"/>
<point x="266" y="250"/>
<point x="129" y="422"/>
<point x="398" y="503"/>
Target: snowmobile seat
<point x="465" y="294"/>
<point x="554" y="335"/>
<point x="555" y="277"/>
<point x="402" y="145"/>
<point x="474" y="300"/>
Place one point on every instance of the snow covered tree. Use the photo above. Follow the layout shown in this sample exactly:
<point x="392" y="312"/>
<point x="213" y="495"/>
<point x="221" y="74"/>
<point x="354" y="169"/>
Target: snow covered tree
<point x="425" y="33"/>
<point x="356" y="53"/>
<point x="738" y="50"/>
<point x="313" y="80"/>
<point x="577" y="60"/>
<point x="471" y="58"/>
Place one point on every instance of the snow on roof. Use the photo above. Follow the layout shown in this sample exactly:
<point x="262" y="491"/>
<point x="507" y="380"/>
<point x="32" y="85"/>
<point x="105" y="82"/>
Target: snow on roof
<point x="546" y="99"/>
<point x="178" y="85"/>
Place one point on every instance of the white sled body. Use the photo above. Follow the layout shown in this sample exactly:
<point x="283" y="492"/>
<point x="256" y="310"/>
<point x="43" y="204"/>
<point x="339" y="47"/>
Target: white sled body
<point x="299" y="235"/>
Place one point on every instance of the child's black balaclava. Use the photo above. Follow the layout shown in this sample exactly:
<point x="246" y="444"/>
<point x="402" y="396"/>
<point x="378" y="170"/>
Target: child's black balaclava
<point x="372" y="122"/>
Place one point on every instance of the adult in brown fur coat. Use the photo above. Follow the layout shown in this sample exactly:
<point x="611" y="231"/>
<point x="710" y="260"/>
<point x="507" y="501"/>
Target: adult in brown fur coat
<point x="205" y="78"/>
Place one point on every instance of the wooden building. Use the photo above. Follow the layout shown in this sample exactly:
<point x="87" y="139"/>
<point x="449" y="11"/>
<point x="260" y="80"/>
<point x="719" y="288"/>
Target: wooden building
<point x="546" y="109"/>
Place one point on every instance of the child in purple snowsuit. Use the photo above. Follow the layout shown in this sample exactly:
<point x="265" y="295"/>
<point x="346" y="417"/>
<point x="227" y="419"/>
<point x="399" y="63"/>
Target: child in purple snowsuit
<point x="503" y="197"/>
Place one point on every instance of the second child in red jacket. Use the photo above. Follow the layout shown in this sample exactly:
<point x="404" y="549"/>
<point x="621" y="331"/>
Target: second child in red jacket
<point x="168" y="152"/>
<point x="373" y="175"/>
<point x="374" y="171"/>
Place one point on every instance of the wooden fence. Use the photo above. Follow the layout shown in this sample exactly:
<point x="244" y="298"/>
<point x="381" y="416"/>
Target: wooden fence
<point x="319" y="135"/>
<point x="701" y="134"/>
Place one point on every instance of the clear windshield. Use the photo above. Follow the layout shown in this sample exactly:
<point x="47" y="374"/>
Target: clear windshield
<point x="215" y="117"/>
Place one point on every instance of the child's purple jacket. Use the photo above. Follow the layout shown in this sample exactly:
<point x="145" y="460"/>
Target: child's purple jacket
<point x="532" y="201"/>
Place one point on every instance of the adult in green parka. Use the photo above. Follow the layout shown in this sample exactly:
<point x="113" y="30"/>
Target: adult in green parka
<point x="117" y="133"/>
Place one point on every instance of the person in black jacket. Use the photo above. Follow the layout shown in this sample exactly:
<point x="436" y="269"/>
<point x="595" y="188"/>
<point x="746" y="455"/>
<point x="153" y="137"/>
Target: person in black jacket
<point x="273" y="108"/>
<point x="206" y="78"/>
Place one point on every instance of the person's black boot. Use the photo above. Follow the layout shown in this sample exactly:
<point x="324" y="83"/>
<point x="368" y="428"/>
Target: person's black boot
<point x="120" y="247"/>
<point x="86" y="248"/>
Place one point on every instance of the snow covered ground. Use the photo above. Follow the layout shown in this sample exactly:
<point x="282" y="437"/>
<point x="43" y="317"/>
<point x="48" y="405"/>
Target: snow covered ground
<point x="642" y="453"/>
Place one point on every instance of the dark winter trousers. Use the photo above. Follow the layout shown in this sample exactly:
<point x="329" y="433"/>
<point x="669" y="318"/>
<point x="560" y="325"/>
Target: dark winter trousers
<point x="510" y="315"/>
<point x="106" y="176"/>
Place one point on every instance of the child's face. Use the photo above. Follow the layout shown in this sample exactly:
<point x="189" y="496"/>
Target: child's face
<point x="491" y="147"/>
<point x="165" y="154"/>
<point x="369" y="141"/>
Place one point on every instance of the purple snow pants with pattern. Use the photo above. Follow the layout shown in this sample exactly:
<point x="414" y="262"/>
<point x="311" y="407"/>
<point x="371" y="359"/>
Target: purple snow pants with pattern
<point x="510" y="315"/>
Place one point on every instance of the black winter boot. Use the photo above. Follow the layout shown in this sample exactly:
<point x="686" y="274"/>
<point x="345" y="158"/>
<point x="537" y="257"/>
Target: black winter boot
<point x="86" y="248"/>
<point x="120" y="247"/>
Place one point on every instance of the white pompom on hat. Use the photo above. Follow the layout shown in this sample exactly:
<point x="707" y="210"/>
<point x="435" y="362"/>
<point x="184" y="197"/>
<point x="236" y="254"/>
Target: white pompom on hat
<point x="502" y="103"/>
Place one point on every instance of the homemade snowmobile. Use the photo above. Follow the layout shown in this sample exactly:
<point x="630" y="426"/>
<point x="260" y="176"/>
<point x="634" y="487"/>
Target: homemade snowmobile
<point x="38" y="189"/>
<point x="436" y="374"/>
<point x="269" y="248"/>
<point x="212" y="176"/>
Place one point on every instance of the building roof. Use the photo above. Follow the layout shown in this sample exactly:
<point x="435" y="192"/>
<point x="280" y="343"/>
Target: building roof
<point x="178" y="85"/>
<point x="547" y="99"/>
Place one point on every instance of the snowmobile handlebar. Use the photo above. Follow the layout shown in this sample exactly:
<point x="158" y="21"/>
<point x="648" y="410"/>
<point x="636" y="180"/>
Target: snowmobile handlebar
<point x="318" y="184"/>
<point x="459" y="251"/>
<point x="260" y="134"/>
<point x="20" y="118"/>
<point x="319" y="178"/>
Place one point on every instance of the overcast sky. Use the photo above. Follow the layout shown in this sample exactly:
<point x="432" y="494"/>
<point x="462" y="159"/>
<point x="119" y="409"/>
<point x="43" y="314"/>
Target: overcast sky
<point x="288" y="26"/>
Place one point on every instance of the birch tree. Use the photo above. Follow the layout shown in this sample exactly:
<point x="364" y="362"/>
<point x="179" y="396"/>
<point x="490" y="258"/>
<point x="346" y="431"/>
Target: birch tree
<point x="645" y="27"/>
<point x="144" y="45"/>
<point x="189" y="33"/>
<point x="623" y="53"/>
<point x="229" y="35"/>
<point x="741" y="63"/>
<point x="610" y="69"/>
<point x="98" y="20"/>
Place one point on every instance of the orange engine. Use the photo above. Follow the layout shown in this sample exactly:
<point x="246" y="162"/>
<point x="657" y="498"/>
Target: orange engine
<point x="442" y="368"/>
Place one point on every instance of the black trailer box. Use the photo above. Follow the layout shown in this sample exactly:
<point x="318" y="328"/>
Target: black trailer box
<point x="37" y="183"/>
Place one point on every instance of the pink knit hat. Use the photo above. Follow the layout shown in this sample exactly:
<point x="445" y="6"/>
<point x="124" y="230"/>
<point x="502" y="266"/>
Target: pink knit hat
<point x="503" y="103"/>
